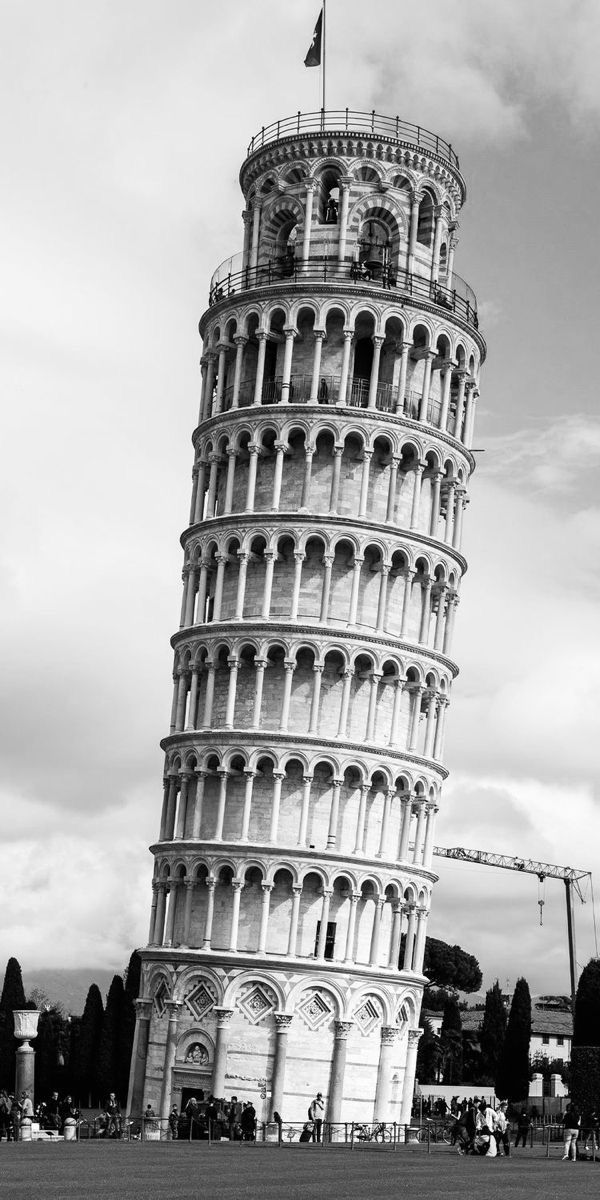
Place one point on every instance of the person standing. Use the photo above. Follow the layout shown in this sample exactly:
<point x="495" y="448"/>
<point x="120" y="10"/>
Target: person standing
<point x="174" y="1123"/>
<point x="501" y="1130"/>
<point x="572" y="1127"/>
<point x="315" y="1114"/>
<point x="523" y="1124"/>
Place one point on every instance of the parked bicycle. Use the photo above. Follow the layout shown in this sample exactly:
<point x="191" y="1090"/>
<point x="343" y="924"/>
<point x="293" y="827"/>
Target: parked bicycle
<point x="374" y="1133"/>
<point x="436" y="1131"/>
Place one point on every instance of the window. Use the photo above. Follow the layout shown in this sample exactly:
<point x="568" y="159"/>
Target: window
<point x="329" y="938"/>
<point x="560" y="1041"/>
<point x="545" y="1040"/>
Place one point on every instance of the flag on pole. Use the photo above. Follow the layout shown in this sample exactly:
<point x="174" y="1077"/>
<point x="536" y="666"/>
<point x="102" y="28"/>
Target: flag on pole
<point x="313" y="58"/>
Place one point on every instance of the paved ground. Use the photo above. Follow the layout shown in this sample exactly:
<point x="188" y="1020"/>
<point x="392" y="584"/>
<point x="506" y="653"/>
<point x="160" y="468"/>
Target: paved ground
<point x="132" y="1171"/>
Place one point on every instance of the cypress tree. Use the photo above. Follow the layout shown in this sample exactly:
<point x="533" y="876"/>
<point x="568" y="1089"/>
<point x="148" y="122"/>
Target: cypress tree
<point x="512" y="1079"/>
<point x="451" y="1042"/>
<point x="106" y="1075"/>
<point x="86" y="1039"/>
<point x="493" y="1031"/>
<point x="586" y="1024"/>
<point x="128" y="1016"/>
<point x="428" y="1054"/>
<point x="585" y="1054"/>
<point x="13" y="996"/>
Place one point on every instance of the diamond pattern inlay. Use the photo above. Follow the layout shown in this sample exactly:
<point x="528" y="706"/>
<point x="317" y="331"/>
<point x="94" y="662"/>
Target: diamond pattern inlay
<point x="368" y="1015"/>
<point x="256" y="1004"/>
<point x="315" y="1010"/>
<point x="199" y="1001"/>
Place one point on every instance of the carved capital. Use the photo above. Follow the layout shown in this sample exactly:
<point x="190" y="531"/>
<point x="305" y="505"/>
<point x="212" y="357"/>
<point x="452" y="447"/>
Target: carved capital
<point x="342" y="1029"/>
<point x="282" y="1022"/>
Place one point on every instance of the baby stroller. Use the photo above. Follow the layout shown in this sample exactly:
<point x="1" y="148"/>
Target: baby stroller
<point x="307" y="1132"/>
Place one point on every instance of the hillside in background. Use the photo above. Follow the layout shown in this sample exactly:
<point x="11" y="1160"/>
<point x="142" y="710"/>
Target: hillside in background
<point x="69" y="987"/>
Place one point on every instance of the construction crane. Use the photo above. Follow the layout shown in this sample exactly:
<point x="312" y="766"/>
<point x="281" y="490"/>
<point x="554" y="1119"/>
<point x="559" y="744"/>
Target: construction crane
<point x="527" y="866"/>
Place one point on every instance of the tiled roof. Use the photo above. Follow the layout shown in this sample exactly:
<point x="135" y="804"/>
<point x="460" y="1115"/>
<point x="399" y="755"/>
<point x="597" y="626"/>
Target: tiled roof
<point x="546" y="1022"/>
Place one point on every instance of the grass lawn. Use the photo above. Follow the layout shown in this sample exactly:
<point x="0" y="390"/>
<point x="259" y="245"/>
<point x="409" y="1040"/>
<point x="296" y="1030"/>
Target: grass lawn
<point x="184" y="1171"/>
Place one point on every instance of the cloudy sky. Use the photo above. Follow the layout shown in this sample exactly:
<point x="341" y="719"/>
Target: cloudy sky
<point x="125" y="123"/>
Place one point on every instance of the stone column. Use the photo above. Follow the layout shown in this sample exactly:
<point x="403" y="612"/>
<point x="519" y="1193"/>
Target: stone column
<point x="445" y="405"/>
<point x="25" y="1025"/>
<point x="161" y="902"/>
<point x="461" y="502"/>
<point x="210" y="910"/>
<point x="406" y="348"/>
<point x="360" y="820"/>
<point x="438" y="635"/>
<point x="327" y="569"/>
<point x="223" y="774"/>
<point x="415" y="691"/>
<point x="267" y="888"/>
<point x="268" y="584"/>
<point x="376" y="932"/>
<point x="260" y="665"/>
<point x="335" y="481"/>
<point x="349" y="955"/>
<point x="430" y="725"/>
<point x="338" y="1069"/>
<point x="398" y="688"/>
<point x="200" y="491"/>
<point x="419" y="834"/>
<point x="408" y="578"/>
<point x="412" y="236"/>
<point x="364" y="483"/>
<point x="193" y="704"/>
<point x="342" y="731"/>
<point x="293" y="934"/>
<point x="354" y="594"/>
<point x="451" y="485"/>
<point x="391" y="500"/>
<point x="181" y="701"/>
<point x="375" y="681"/>
<point x="420" y="940"/>
<point x="289" y="667"/>
<point x="187" y="914"/>
<point x="374" y="380"/>
<point x="240" y="342"/>
<point x="308" y="208"/>
<point x="409" y="945"/>
<point x="437" y="241"/>
<point x="462" y="375"/>
<point x="314" y="707"/>
<point x="223" y="1016"/>
<point x="222" y="560"/>
<point x="435" y="502"/>
<point x="451" y="607"/>
<point x="382" y="602"/>
<point x="345" y="368"/>
<point x="182" y="810"/>
<point x="169" y="829"/>
<point x="429" y="357"/>
<point x="250" y="777"/>
<point x="234" y="664"/>
<point x="429" y="831"/>
<point x="280" y="448"/>
<point x="343" y="218"/>
<point x="396" y="937"/>
<point x="409" y="1076"/>
<point x="260" y="366"/>
<point x="282" y="1025"/>
<point x="151" y="931"/>
<point x="243" y="556"/>
<point x="406" y="820"/>
<point x="237" y="885"/>
<point x="198" y="804"/>
<point x="304" y="811"/>
<point x="334" y="813"/>
<point x="253" y="451"/>
<point x="383" y="840"/>
<point x="308" y="457"/>
<point x="319" y="335"/>
<point x="232" y="454"/>
<point x="255" y="235"/>
<point x="299" y="557"/>
<point x="278" y="778"/>
<point x="439" y="732"/>
<point x="172" y="908"/>
<point x="416" y="499"/>
<point x="327" y="894"/>
<point x="139" y="1054"/>
<point x="172" y="1007"/>
<point x="381" y="1109"/>
<point x="289" y="333"/>
<point x="470" y="417"/>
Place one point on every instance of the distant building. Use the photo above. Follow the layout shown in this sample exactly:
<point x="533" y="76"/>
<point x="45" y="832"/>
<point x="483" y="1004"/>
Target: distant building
<point x="551" y="1028"/>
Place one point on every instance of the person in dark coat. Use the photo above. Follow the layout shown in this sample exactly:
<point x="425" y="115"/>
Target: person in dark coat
<point x="248" y="1122"/>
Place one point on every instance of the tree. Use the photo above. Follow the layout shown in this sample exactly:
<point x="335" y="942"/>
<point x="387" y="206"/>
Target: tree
<point x="85" y="1039"/>
<point x="107" y="1058"/>
<point x="450" y="967"/>
<point x="13" y="996"/>
<point x="451" y="1042"/>
<point x="586" y="1024"/>
<point x="492" y="1034"/>
<point x="512" y="1079"/>
<point x="428" y="1054"/>
<point x="585" y="1053"/>
<point x="52" y="1048"/>
<point x="128" y="1017"/>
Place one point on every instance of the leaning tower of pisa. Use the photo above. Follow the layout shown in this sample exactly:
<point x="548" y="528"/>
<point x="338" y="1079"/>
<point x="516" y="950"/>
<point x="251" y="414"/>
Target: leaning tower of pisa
<point x="313" y="664"/>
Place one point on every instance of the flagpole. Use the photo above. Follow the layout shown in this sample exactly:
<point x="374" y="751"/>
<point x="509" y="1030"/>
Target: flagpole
<point x="324" y="47"/>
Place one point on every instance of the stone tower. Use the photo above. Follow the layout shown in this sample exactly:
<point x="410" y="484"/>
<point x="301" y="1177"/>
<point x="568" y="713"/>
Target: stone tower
<point x="313" y="669"/>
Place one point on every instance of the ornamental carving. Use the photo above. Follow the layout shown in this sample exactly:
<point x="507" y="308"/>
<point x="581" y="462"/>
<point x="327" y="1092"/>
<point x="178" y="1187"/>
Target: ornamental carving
<point x="316" y="1009"/>
<point x="200" y="1000"/>
<point x="257" y="1002"/>
<point x="368" y="1015"/>
<point x="197" y="1055"/>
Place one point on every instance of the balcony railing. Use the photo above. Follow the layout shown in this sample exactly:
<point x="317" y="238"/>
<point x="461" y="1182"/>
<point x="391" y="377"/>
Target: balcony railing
<point x="459" y="299"/>
<point x="328" y="392"/>
<point x="365" y="124"/>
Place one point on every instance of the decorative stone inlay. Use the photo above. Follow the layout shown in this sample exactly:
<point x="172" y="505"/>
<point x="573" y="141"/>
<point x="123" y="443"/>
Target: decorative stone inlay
<point x="197" y="1055"/>
<point x="199" y="1001"/>
<point x="256" y="1003"/>
<point x="368" y="1015"/>
<point x="315" y="1009"/>
<point x="160" y="998"/>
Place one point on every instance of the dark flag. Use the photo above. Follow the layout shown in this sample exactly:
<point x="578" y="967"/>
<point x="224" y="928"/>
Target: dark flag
<point x="313" y="58"/>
